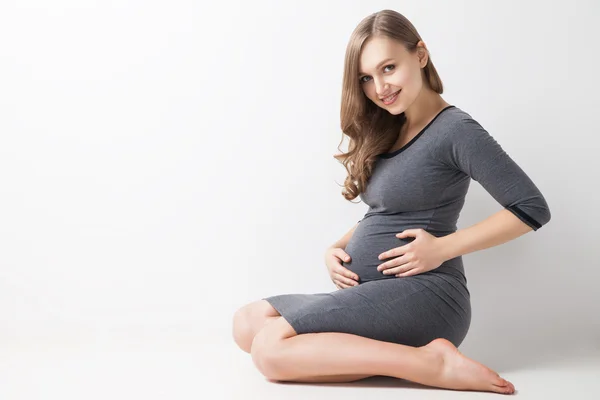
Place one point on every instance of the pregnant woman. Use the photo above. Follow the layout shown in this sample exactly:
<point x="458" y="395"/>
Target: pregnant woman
<point x="402" y="306"/>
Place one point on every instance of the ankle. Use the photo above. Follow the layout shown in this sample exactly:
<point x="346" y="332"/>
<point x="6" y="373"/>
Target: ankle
<point x="433" y="356"/>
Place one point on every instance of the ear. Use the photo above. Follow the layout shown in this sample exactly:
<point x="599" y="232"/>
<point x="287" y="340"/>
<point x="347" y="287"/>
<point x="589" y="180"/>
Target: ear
<point x="422" y="53"/>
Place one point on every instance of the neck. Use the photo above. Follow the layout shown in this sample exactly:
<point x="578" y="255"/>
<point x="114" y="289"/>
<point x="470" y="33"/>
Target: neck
<point x="427" y="104"/>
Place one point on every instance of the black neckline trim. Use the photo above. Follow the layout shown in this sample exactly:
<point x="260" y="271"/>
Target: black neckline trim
<point x="407" y="145"/>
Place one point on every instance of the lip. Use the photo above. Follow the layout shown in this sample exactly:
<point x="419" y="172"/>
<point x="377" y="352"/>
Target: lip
<point x="396" y="93"/>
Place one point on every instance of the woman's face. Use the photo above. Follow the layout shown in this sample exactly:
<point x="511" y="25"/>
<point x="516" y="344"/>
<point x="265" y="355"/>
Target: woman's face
<point x="385" y="68"/>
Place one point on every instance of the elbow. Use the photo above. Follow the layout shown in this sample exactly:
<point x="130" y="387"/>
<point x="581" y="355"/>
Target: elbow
<point x="544" y="215"/>
<point x="543" y="218"/>
<point x="547" y="216"/>
<point x="535" y="215"/>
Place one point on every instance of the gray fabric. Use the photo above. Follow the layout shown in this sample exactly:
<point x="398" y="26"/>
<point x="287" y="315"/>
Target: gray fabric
<point x="422" y="185"/>
<point x="412" y="311"/>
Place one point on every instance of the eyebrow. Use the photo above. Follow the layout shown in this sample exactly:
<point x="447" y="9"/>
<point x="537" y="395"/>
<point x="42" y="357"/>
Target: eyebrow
<point x="378" y="65"/>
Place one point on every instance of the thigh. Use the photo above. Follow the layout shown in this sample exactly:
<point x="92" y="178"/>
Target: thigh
<point x="405" y="310"/>
<point x="250" y="319"/>
<point x="255" y="315"/>
<point x="261" y="309"/>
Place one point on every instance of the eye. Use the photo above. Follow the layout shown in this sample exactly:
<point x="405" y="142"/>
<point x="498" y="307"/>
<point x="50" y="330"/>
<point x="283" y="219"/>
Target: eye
<point x="363" y="81"/>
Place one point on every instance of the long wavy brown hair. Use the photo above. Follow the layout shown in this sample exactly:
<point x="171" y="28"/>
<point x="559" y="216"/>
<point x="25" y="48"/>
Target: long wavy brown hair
<point x="371" y="129"/>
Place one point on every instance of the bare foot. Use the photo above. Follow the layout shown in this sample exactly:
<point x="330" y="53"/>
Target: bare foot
<point x="462" y="373"/>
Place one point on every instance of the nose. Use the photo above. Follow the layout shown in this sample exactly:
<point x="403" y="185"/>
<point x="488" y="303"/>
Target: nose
<point x="380" y="87"/>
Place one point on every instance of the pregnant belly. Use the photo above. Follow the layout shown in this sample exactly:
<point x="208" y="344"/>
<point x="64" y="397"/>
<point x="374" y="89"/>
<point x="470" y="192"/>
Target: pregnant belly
<point x="364" y="248"/>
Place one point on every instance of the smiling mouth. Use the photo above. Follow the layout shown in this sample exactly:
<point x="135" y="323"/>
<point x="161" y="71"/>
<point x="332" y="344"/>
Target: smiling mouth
<point x="391" y="98"/>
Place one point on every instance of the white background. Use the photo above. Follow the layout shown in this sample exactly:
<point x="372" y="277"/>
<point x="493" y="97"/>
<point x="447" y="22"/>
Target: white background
<point x="164" y="163"/>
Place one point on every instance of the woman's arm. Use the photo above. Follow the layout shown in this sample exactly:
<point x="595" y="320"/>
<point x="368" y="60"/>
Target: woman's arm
<point x="499" y="228"/>
<point x="466" y="146"/>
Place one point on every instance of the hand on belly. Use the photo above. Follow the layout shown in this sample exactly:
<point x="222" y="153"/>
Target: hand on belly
<point x="424" y="253"/>
<point x="409" y="254"/>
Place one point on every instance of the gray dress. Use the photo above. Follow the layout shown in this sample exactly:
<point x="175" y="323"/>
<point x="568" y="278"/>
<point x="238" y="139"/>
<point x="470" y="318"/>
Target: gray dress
<point x="421" y="185"/>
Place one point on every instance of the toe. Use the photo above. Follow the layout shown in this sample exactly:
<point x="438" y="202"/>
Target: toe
<point x="499" y="381"/>
<point x="509" y="388"/>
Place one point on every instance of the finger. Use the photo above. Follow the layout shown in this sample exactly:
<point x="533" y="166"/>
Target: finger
<point x="345" y="280"/>
<point x="397" y="262"/>
<point x="383" y="267"/>
<point x="395" y="252"/>
<point x="347" y="273"/>
<point x="410" y="272"/>
<point x="386" y="254"/>
<point x="388" y="265"/>
<point x="342" y="255"/>
<point x="342" y="285"/>
<point x="399" y="269"/>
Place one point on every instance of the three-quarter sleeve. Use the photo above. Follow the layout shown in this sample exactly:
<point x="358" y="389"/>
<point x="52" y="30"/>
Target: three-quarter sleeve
<point x="468" y="147"/>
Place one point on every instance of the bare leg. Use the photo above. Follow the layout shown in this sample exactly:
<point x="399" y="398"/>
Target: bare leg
<point x="250" y="319"/>
<point x="282" y="355"/>
<point x="333" y="378"/>
<point x="253" y="317"/>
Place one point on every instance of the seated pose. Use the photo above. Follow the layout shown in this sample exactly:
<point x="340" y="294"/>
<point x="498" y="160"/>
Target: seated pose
<point x="402" y="306"/>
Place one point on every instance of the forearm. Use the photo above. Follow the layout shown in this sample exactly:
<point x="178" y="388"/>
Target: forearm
<point x="499" y="228"/>
<point x="345" y="239"/>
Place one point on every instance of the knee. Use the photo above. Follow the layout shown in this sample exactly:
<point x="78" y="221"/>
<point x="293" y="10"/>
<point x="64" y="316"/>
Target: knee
<point x="242" y="329"/>
<point x="267" y="356"/>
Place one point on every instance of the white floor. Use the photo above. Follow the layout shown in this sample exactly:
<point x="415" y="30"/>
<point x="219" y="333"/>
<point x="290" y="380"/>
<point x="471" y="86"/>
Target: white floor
<point x="186" y="368"/>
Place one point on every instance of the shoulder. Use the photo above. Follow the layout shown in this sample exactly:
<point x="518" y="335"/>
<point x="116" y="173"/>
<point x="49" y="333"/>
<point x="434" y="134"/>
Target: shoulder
<point x="457" y="126"/>
<point x="458" y="121"/>
<point x="461" y="137"/>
